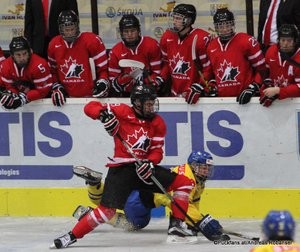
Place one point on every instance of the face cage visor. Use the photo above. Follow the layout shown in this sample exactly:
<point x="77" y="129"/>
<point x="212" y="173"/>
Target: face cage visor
<point x="147" y="108"/>
<point x="203" y="171"/>
<point x="225" y="30"/>
<point x="68" y="36"/>
<point x="178" y="22"/>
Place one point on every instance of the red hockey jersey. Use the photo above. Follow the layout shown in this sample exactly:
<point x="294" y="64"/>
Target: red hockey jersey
<point x="35" y="79"/>
<point x="147" y="52"/>
<point x="235" y="64"/>
<point x="70" y="64"/>
<point x="284" y="73"/>
<point x="145" y="138"/>
<point x="177" y="55"/>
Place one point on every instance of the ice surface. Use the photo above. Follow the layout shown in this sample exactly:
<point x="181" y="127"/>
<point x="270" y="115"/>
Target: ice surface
<point x="35" y="234"/>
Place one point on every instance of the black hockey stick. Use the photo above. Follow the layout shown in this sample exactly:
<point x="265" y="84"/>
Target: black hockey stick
<point x="225" y="231"/>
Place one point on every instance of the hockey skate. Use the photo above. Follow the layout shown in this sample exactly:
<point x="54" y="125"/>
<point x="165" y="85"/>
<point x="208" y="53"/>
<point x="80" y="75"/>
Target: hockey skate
<point x="63" y="241"/>
<point x="90" y="176"/>
<point x="179" y="233"/>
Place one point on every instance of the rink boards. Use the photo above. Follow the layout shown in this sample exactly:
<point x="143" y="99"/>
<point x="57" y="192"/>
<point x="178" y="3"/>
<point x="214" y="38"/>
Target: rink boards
<point x="255" y="149"/>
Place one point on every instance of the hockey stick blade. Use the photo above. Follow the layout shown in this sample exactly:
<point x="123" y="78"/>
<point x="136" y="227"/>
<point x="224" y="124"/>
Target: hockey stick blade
<point x="131" y="63"/>
<point x="240" y="235"/>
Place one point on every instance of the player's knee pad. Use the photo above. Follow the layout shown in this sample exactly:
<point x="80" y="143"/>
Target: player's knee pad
<point x="211" y="229"/>
<point x="136" y="213"/>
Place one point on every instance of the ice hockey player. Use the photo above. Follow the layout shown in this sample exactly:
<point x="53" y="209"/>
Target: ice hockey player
<point x="278" y="229"/>
<point x="137" y="211"/>
<point x="143" y="131"/>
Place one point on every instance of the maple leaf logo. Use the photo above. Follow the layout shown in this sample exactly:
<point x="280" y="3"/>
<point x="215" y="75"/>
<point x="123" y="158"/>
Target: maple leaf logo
<point x="139" y="140"/>
<point x="71" y="69"/>
<point x="178" y="65"/>
<point x="281" y="81"/>
<point x="227" y="72"/>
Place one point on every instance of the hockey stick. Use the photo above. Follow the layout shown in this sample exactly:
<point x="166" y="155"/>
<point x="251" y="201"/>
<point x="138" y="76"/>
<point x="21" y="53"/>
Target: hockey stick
<point x="195" y="60"/>
<point x="131" y="63"/>
<point x="225" y="231"/>
<point x="136" y="64"/>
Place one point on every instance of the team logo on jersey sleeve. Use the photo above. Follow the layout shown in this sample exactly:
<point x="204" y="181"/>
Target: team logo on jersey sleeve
<point x="71" y="69"/>
<point x="227" y="72"/>
<point x="178" y="65"/>
<point x="139" y="140"/>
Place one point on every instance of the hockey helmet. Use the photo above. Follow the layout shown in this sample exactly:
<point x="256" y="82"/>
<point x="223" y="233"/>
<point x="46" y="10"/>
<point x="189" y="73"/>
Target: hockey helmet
<point x="68" y="19"/>
<point x="186" y="13"/>
<point x="130" y="21"/>
<point x="18" y="44"/>
<point x="287" y="49"/>
<point x="278" y="225"/>
<point x="224" y="24"/>
<point x="202" y="164"/>
<point x="144" y="101"/>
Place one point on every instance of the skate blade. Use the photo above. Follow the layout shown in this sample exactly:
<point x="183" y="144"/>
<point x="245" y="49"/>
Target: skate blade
<point x="175" y="239"/>
<point x="52" y="246"/>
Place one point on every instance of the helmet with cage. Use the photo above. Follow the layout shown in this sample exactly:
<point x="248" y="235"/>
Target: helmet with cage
<point x="183" y="16"/>
<point x="68" y="24"/>
<point x="202" y="164"/>
<point x="224" y="23"/>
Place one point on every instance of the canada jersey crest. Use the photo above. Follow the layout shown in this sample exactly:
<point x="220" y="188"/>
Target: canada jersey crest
<point x="139" y="140"/>
<point x="227" y="72"/>
<point x="71" y="69"/>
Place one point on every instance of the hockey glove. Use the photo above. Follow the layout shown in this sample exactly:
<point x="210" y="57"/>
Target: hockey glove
<point x="58" y="95"/>
<point x="267" y="83"/>
<point x="123" y="83"/>
<point x="194" y="93"/>
<point x="211" y="229"/>
<point x="267" y="101"/>
<point x="101" y="88"/>
<point x="158" y="82"/>
<point x="246" y="95"/>
<point x="13" y="101"/>
<point x="110" y="122"/>
<point x="211" y="89"/>
<point x="145" y="171"/>
<point x="136" y="74"/>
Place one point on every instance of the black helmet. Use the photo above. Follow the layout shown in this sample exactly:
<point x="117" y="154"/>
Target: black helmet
<point x="129" y="21"/>
<point x="288" y="30"/>
<point x="221" y="17"/>
<point x="186" y="10"/>
<point x="19" y="43"/>
<point x="68" y="18"/>
<point x="139" y="95"/>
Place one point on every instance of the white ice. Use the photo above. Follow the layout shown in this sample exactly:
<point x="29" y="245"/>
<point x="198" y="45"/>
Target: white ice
<point x="35" y="234"/>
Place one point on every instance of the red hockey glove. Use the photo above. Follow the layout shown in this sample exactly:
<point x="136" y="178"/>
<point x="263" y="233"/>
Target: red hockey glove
<point x="211" y="89"/>
<point x="110" y="122"/>
<point x="267" y="101"/>
<point x="123" y="83"/>
<point x="194" y="93"/>
<point x="101" y="88"/>
<point x="145" y="171"/>
<point x="246" y="95"/>
<point x="58" y="95"/>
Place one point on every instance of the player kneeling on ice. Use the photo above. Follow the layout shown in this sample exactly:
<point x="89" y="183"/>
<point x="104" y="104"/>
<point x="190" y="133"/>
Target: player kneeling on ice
<point x="137" y="210"/>
<point x="139" y="134"/>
